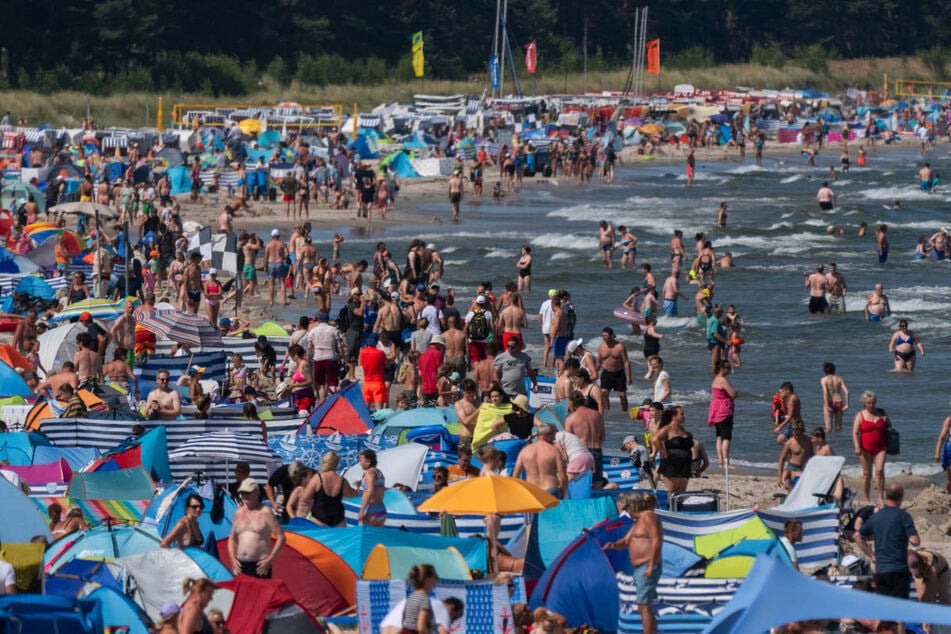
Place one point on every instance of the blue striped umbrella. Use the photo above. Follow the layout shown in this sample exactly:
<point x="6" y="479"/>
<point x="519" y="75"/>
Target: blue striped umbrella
<point x="99" y="309"/>
<point x="182" y="327"/>
<point x="225" y="446"/>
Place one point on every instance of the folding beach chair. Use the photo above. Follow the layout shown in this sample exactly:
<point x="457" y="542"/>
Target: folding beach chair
<point x="816" y="485"/>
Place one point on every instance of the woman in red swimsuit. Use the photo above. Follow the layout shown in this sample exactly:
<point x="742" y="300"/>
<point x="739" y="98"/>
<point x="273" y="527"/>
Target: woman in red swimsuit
<point x="868" y="437"/>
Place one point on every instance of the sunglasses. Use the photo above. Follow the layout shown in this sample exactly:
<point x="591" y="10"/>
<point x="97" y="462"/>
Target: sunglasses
<point x="195" y="506"/>
<point x="218" y="623"/>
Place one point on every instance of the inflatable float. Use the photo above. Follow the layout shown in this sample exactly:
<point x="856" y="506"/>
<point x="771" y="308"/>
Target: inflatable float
<point x="630" y="316"/>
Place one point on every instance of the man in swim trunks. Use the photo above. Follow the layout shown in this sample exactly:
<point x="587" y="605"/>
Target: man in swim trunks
<point x="671" y="292"/>
<point x="615" y="368"/>
<point x="543" y="463"/>
<point x="456" y="187"/>
<point x="876" y="306"/>
<point x="606" y="240"/>
<point x="939" y="244"/>
<point x="817" y="283"/>
<point x="249" y="544"/>
<point x="677" y="253"/>
<point x="835" y="289"/>
<point x="250" y="269"/>
<point x="792" y="407"/>
<point x="925" y="177"/>
<point x="191" y="282"/>
<point x="275" y="253"/>
<point x="643" y="542"/>
<point x="826" y="197"/>
<point x="835" y="397"/>
<point x="797" y="451"/>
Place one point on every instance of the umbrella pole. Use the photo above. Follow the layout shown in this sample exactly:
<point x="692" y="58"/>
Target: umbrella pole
<point x="726" y="475"/>
<point x="98" y="257"/>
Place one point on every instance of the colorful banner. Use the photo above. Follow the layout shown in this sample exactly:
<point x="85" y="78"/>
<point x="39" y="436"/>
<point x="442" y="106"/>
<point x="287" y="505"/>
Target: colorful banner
<point x="653" y="57"/>
<point x="494" y="71"/>
<point x="531" y="56"/>
<point x="418" y="60"/>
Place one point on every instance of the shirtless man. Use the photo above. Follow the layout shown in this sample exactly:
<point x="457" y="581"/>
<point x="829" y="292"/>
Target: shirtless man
<point x="835" y="289"/>
<point x="677" y="253"/>
<point x="456" y="345"/>
<point x="615" y="368"/>
<point x="306" y="263"/>
<point x="25" y="333"/>
<point x="456" y="187"/>
<point x="250" y="268"/>
<point x="512" y="319"/>
<point x="835" y="397"/>
<point x="274" y="254"/>
<point x="87" y="361"/>
<point x="826" y="197"/>
<point x="793" y="409"/>
<point x="191" y="283"/>
<point x="721" y="215"/>
<point x="123" y="332"/>
<point x="817" y="283"/>
<point x="224" y="224"/>
<point x="543" y="463"/>
<point x="643" y="542"/>
<point x="671" y="292"/>
<point x="467" y="410"/>
<point x="483" y="370"/>
<point x="66" y="375"/>
<point x="606" y="240"/>
<point x="588" y="425"/>
<point x="939" y="244"/>
<point x="876" y="306"/>
<point x="796" y="451"/>
<point x="164" y="403"/>
<point x="925" y="176"/>
<point x="252" y="528"/>
<point x="118" y="372"/>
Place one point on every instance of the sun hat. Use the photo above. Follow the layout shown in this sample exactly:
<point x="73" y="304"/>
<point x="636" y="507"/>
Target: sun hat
<point x="552" y="292"/>
<point x="628" y="439"/>
<point x="248" y="485"/>
<point x="437" y="339"/>
<point x="169" y="609"/>
<point x="521" y="401"/>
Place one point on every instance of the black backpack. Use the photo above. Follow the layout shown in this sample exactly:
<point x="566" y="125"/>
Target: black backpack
<point x="478" y="326"/>
<point x="343" y="319"/>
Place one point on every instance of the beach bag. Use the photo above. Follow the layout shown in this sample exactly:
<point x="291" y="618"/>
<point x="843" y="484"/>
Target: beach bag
<point x="343" y="319"/>
<point x="892" y="442"/>
<point x="478" y="328"/>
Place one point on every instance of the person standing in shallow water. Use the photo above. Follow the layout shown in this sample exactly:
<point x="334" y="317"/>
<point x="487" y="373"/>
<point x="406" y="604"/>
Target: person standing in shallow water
<point x="881" y="238"/>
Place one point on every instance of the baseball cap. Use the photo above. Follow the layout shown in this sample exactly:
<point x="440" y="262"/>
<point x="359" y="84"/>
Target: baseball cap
<point x="262" y="338"/>
<point x="275" y="233"/>
<point x="521" y="401"/>
<point x="480" y="299"/>
<point x="552" y="292"/>
<point x="248" y="485"/>
<point x="224" y="321"/>
<point x="169" y="609"/>
<point x="628" y="439"/>
<point x="455" y="376"/>
<point x="355" y="291"/>
<point x="85" y="315"/>
<point x="394" y="295"/>
<point x="212" y="271"/>
<point x="437" y="339"/>
<point x="574" y="345"/>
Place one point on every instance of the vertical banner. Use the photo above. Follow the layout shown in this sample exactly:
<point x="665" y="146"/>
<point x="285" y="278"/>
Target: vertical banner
<point x="418" y="61"/>
<point x="494" y="71"/>
<point x="653" y="57"/>
<point x="531" y="52"/>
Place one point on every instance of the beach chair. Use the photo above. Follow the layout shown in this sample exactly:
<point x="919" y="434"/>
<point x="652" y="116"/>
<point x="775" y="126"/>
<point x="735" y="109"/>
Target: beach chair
<point x="816" y="484"/>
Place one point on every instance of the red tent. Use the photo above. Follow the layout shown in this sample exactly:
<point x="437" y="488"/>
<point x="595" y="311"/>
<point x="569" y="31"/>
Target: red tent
<point x="318" y="578"/>
<point x="255" y="599"/>
<point x="344" y="412"/>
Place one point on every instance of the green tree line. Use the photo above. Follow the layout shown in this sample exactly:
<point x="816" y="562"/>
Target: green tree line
<point x="226" y="48"/>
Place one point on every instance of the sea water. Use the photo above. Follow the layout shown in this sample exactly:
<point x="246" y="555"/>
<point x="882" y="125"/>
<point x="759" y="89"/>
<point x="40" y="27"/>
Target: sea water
<point x="776" y="233"/>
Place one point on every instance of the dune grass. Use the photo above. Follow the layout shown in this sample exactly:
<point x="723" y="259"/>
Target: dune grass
<point x="140" y="109"/>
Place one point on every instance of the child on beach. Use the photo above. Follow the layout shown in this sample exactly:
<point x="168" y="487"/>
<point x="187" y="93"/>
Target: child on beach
<point x="239" y="373"/>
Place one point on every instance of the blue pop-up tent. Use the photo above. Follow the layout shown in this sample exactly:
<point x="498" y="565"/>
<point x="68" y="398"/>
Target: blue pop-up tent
<point x="23" y="518"/>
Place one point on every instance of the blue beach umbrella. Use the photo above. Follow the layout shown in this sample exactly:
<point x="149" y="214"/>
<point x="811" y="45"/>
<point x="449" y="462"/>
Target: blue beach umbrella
<point x="11" y="383"/>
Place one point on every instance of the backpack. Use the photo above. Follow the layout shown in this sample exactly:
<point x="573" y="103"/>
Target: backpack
<point x="478" y="328"/>
<point x="343" y="319"/>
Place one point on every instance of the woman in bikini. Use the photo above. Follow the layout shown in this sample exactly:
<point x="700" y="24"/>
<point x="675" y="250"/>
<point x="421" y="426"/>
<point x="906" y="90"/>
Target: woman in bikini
<point x="902" y="345"/>
<point x="213" y="295"/>
<point x="186" y="531"/>
<point x="302" y="386"/>
<point x="57" y="525"/>
<point x="868" y="438"/>
<point x="372" y="510"/>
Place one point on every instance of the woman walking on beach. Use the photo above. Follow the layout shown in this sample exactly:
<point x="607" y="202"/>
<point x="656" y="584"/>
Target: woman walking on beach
<point x="322" y="499"/>
<point x="372" y="510"/>
<point x="213" y="293"/>
<point x="868" y="437"/>
<point x="721" y="411"/>
<point x="902" y="345"/>
<point x="418" y="611"/>
<point x="192" y="619"/>
<point x="675" y="446"/>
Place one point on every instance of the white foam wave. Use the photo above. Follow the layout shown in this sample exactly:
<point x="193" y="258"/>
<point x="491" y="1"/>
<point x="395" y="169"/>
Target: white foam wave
<point x="450" y="263"/>
<point x="910" y="192"/>
<point x="792" y="179"/>
<point x="500" y="253"/>
<point x="577" y="241"/>
<point x="562" y="256"/>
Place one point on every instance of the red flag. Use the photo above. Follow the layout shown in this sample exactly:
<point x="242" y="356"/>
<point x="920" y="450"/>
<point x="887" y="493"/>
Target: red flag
<point x="653" y="57"/>
<point x="530" y="56"/>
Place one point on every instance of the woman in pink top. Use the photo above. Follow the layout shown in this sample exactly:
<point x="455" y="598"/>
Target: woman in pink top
<point x="721" y="411"/>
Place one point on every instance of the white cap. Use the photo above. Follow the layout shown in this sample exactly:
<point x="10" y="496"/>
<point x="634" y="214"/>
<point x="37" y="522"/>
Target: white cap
<point x="574" y="345"/>
<point x="212" y="271"/>
<point x="275" y="233"/>
<point x="480" y="299"/>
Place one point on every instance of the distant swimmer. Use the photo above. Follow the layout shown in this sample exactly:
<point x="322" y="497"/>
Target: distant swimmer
<point x="844" y="161"/>
<point x="826" y="197"/>
<point x="726" y="261"/>
<point x="836" y="289"/>
<point x="939" y="244"/>
<point x="876" y="306"/>
<point x="881" y="238"/>
<point x="606" y="240"/>
<point x="861" y="157"/>
<point x="925" y="176"/>
<point x="817" y="283"/>
<point x="671" y="292"/>
<point x="677" y="253"/>
<point x="691" y="167"/>
<point x="897" y="205"/>
<point x="721" y="215"/>
<point x="863" y="227"/>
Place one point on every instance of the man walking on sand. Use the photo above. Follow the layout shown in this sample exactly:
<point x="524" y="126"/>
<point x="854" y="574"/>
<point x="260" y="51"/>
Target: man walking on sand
<point x="543" y="463"/>
<point x="643" y="543"/>
<point x="274" y="255"/>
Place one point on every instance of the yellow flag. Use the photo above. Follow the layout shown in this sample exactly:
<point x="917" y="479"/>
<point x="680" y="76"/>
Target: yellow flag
<point x="418" y="62"/>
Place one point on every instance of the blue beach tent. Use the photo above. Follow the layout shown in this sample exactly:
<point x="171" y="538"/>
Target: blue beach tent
<point x="28" y="522"/>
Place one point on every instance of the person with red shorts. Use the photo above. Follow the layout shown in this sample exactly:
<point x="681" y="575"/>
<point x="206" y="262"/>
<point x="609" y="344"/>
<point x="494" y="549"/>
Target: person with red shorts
<point x="478" y="329"/>
<point x="428" y="364"/>
<point x="373" y="362"/>
<point x="323" y="347"/>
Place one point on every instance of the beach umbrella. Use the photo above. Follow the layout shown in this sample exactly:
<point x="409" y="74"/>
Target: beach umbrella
<point x="12" y="357"/>
<point x="21" y="191"/>
<point x="103" y="309"/>
<point x="225" y="446"/>
<point x="74" y="244"/>
<point x="11" y="383"/>
<point x="36" y="226"/>
<point x="103" y="543"/>
<point x="249" y="126"/>
<point x="85" y="209"/>
<point x="182" y="327"/>
<point x="490" y="494"/>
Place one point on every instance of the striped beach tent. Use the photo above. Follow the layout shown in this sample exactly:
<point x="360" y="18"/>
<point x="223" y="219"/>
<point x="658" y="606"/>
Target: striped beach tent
<point x="232" y="345"/>
<point x="818" y="547"/>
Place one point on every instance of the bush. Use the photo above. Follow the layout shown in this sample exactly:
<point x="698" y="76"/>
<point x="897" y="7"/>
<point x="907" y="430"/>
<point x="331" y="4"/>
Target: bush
<point x="816" y="59"/>
<point x="132" y="79"/>
<point x="310" y="71"/>
<point x="690" y="59"/>
<point x="770" y="55"/>
<point x="935" y="59"/>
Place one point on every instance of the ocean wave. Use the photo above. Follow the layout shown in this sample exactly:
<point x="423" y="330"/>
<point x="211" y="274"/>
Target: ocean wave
<point x="910" y="192"/>
<point x="793" y="178"/>
<point x="500" y="253"/>
<point x="576" y="241"/>
<point x="561" y="255"/>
